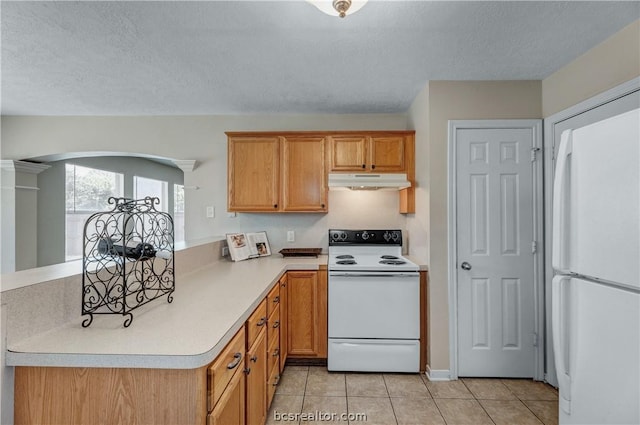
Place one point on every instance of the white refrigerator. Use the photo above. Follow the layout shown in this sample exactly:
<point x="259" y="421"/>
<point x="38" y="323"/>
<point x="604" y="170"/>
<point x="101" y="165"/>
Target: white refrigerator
<point x="596" y="261"/>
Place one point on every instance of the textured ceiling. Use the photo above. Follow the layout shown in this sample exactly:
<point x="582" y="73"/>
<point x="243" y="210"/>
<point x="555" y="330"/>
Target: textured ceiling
<point x="168" y="58"/>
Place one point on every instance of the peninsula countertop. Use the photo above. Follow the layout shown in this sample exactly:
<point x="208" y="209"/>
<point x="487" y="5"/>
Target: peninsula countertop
<point x="209" y="306"/>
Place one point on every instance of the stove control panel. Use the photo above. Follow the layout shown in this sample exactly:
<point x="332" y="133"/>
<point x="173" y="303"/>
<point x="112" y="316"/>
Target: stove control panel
<point x="365" y="237"/>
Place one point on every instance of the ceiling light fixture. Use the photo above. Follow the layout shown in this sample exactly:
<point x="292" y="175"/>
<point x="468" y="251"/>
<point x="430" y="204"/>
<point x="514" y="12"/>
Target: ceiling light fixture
<point x="339" y="8"/>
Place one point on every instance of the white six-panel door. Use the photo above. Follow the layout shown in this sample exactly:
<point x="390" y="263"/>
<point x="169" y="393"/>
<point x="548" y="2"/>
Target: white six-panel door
<point x="496" y="319"/>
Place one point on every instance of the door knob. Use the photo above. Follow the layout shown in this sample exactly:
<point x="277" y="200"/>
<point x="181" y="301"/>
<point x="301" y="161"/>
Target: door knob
<point x="465" y="266"/>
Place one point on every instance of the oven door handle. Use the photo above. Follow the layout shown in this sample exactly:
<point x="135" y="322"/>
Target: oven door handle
<point x="409" y="274"/>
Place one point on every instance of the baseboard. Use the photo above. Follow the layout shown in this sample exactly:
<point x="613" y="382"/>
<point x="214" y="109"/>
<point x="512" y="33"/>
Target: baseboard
<point x="438" y="375"/>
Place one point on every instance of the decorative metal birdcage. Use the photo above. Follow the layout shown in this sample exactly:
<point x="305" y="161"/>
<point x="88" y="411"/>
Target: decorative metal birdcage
<point x="127" y="259"/>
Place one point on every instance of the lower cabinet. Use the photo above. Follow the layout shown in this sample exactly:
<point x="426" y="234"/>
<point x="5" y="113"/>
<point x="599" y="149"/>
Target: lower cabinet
<point x="256" y="370"/>
<point x="237" y="388"/>
<point x="307" y="313"/>
<point x="230" y="409"/>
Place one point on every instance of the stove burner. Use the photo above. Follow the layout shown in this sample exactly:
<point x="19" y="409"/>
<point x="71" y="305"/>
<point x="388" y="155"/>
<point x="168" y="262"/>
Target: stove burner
<point x="346" y="262"/>
<point x="344" y="257"/>
<point x="393" y="262"/>
<point x="389" y="257"/>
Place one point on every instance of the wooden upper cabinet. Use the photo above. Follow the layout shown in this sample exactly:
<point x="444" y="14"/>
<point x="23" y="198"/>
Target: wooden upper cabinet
<point x="253" y="173"/>
<point x="348" y="153"/>
<point x="386" y="154"/>
<point x="368" y="153"/>
<point x="287" y="171"/>
<point x="304" y="174"/>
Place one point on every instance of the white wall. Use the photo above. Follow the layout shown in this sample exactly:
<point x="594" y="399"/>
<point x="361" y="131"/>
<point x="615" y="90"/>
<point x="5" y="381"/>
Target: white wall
<point x="202" y="138"/>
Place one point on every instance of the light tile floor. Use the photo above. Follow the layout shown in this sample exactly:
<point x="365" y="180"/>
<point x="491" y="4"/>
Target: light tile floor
<point x="406" y="399"/>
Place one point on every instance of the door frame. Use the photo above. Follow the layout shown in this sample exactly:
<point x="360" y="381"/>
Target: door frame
<point x="550" y="122"/>
<point x="535" y="125"/>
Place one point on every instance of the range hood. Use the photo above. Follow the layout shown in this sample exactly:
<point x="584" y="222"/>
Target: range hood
<point x="368" y="181"/>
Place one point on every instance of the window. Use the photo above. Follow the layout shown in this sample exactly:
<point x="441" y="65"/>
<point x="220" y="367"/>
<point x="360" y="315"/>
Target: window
<point x="143" y="187"/>
<point x="178" y="212"/>
<point x="87" y="191"/>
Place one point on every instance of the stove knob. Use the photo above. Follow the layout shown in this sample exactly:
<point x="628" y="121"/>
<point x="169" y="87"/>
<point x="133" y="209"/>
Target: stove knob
<point x="343" y="236"/>
<point x="386" y="236"/>
<point x="365" y="235"/>
<point x="395" y="236"/>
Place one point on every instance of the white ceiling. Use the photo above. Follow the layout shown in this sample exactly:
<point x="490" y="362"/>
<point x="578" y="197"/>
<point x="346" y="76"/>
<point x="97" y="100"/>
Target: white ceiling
<point x="236" y="57"/>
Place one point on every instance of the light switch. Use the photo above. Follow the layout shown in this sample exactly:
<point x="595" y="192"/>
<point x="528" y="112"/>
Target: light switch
<point x="211" y="212"/>
<point x="291" y="236"/>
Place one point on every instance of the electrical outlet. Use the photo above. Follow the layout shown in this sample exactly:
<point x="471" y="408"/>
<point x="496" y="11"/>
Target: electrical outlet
<point x="211" y="212"/>
<point x="225" y="251"/>
<point x="291" y="236"/>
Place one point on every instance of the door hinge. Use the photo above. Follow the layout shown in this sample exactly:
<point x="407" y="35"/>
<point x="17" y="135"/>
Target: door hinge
<point x="535" y="339"/>
<point x="534" y="247"/>
<point x="534" y="152"/>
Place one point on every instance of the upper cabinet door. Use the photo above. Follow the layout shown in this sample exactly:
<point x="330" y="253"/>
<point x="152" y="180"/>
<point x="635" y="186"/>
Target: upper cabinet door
<point x="348" y="153"/>
<point x="387" y="154"/>
<point x="304" y="174"/>
<point x="253" y="173"/>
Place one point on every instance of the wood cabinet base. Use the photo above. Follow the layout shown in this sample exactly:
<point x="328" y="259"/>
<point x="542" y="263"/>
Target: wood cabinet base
<point x="58" y="395"/>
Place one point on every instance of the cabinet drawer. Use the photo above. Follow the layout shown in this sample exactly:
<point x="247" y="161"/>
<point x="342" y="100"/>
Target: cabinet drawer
<point x="230" y="408"/>
<point x="222" y="369"/>
<point x="257" y="322"/>
<point x="272" y="384"/>
<point x="273" y="299"/>
<point x="274" y="325"/>
<point x="273" y="353"/>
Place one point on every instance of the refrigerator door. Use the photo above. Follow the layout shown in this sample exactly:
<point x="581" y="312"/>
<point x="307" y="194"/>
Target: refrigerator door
<point x="599" y="353"/>
<point x="597" y="201"/>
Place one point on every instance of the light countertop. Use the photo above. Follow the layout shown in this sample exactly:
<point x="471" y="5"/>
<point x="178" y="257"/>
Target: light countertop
<point x="209" y="305"/>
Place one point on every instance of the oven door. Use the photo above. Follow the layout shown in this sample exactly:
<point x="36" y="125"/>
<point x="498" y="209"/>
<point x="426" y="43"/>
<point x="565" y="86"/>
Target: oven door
<point x="374" y="305"/>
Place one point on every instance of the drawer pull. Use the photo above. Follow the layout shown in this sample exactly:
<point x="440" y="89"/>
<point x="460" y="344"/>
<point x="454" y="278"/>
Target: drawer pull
<point x="276" y="300"/>
<point x="254" y="359"/>
<point x="276" y="324"/>
<point x="262" y="321"/>
<point x="277" y="381"/>
<point x="276" y="353"/>
<point x="236" y="362"/>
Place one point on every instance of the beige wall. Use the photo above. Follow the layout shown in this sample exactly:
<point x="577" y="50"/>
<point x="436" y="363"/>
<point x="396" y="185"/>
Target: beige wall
<point x="612" y="62"/>
<point x="202" y="138"/>
<point x="460" y="100"/>
<point x="418" y="224"/>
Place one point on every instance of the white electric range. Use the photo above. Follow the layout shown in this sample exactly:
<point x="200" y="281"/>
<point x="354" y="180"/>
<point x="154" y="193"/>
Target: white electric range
<point x="374" y="303"/>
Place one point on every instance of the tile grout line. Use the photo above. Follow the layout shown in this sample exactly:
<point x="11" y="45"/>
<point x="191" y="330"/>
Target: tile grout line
<point x="389" y="398"/>
<point x="534" y="413"/>
<point x="478" y="400"/>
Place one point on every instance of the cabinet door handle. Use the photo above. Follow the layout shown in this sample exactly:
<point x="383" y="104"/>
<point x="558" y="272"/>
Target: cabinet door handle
<point x="262" y="321"/>
<point x="373" y="167"/>
<point x="276" y="353"/>
<point x="276" y="300"/>
<point x="277" y="381"/>
<point x="284" y="285"/>
<point x="275" y="205"/>
<point x="237" y="359"/>
<point x="247" y="370"/>
<point x="276" y="324"/>
<point x="254" y="359"/>
<point x="364" y="166"/>
<point x="321" y="205"/>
